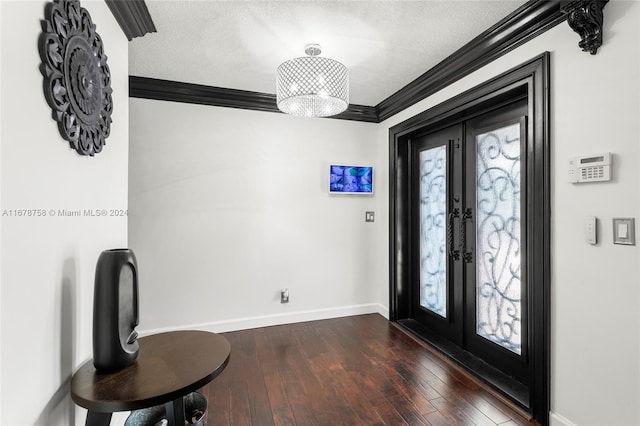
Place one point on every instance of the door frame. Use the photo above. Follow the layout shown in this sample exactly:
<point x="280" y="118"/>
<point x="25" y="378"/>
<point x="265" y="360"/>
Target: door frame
<point x="532" y="80"/>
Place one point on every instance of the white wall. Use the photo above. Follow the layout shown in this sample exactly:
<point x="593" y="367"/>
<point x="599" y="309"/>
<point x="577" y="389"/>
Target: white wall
<point x="229" y="206"/>
<point x="48" y="263"/>
<point x="595" y="290"/>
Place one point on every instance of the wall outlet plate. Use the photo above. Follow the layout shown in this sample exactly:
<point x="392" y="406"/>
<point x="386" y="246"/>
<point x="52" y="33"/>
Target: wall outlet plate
<point x="284" y="296"/>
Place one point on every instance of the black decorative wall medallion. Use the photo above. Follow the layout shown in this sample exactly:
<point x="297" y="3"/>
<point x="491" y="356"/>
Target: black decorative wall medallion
<point x="585" y="18"/>
<point x="77" y="80"/>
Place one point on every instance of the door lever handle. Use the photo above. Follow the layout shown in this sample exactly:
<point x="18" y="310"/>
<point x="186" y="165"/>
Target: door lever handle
<point x="466" y="216"/>
<point x="455" y="254"/>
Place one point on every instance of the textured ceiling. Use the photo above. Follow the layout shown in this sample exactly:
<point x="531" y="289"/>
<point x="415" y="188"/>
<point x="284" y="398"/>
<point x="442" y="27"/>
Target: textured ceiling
<point x="239" y="44"/>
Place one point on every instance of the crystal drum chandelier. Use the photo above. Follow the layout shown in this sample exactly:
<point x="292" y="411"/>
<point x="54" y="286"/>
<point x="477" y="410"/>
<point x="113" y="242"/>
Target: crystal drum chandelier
<point x="312" y="86"/>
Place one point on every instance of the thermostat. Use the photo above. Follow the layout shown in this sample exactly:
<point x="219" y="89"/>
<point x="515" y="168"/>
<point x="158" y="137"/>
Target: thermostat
<point x="590" y="169"/>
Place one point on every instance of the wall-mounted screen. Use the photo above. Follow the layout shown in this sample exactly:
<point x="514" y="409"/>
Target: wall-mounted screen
<point x="350" y="179"/>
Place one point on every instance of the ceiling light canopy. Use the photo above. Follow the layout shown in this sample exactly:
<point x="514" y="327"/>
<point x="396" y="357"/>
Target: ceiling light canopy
<point x="312" y="86"/>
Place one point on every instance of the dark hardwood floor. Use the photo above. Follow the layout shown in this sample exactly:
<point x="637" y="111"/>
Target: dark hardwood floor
<point x="359" y="370"/>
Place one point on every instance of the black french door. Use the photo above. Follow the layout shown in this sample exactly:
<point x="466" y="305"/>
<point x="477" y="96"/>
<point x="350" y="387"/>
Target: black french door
<point x="468" y="227"/>
<point x="488" y="231"/>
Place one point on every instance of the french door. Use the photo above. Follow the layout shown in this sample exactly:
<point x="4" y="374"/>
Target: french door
<point x="468" y="236"/>
<point x="472" y="229"/>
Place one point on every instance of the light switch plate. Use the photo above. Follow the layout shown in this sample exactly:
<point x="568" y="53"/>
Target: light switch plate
<point x="590" y="229"/>
<point x="624" y="231"/>
<point x="369" y="216"/>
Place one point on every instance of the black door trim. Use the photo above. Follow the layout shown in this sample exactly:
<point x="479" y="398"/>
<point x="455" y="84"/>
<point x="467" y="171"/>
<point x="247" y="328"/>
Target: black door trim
<point x="533" y="77"/>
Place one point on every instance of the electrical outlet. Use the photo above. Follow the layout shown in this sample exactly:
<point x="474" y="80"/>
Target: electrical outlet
<point x="284" y="296"/>
<point x="369" y="216"/>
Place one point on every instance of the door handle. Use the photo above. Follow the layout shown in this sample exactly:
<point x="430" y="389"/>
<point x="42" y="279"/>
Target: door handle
<point x="454" y="254"/>
<point x="467" y="256"/>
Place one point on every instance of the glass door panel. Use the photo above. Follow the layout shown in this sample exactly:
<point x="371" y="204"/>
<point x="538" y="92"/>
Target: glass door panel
<point x="498" y="237"/>
<point x="433" y="224"/>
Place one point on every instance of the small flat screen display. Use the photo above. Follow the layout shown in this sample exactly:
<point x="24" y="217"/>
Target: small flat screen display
<point x="350" y="179"/>
<point x="591" y="160"/>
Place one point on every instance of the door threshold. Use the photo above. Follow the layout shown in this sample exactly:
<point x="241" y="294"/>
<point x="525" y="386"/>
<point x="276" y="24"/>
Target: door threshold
<point x="509" y="390"/>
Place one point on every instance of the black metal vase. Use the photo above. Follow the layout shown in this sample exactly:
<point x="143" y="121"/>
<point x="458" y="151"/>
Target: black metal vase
<point x="115" y="310"/>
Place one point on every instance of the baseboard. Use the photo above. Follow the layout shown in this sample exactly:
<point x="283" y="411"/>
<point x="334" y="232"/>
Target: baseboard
<point x="558" y="420"/>
<point x="383" y="310"/>
<point x="277" y="319"/>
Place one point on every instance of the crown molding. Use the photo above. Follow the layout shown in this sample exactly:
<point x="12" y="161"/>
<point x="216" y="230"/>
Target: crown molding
<point x="359" y="113"/>
<point x="176" y="91"/>
<point x="132" y="16"/>
<point x="529" y="21"/>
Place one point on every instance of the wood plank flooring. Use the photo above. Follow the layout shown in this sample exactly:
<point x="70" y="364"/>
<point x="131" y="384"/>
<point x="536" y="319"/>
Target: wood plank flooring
<point x="359" y="370"/>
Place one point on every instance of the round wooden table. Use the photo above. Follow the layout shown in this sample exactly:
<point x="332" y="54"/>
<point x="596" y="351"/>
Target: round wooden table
<point x="169" y="366"/>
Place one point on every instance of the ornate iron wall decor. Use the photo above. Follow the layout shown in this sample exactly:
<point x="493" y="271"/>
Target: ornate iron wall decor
<point x="77" y="80"/>
<point x="585" y="18"/>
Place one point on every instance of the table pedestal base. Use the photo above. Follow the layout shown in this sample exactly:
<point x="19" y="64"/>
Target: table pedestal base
<point x="175" y="411"/>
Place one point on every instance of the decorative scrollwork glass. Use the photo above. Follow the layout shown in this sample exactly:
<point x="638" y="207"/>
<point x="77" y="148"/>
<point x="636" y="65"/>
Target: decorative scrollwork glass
<point x="77" y="82"/>
<point x="433" y="211"/>
<point x="498" y="237"/>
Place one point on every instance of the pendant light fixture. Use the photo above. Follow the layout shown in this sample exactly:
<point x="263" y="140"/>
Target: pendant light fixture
<point x="312" y="86"/>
